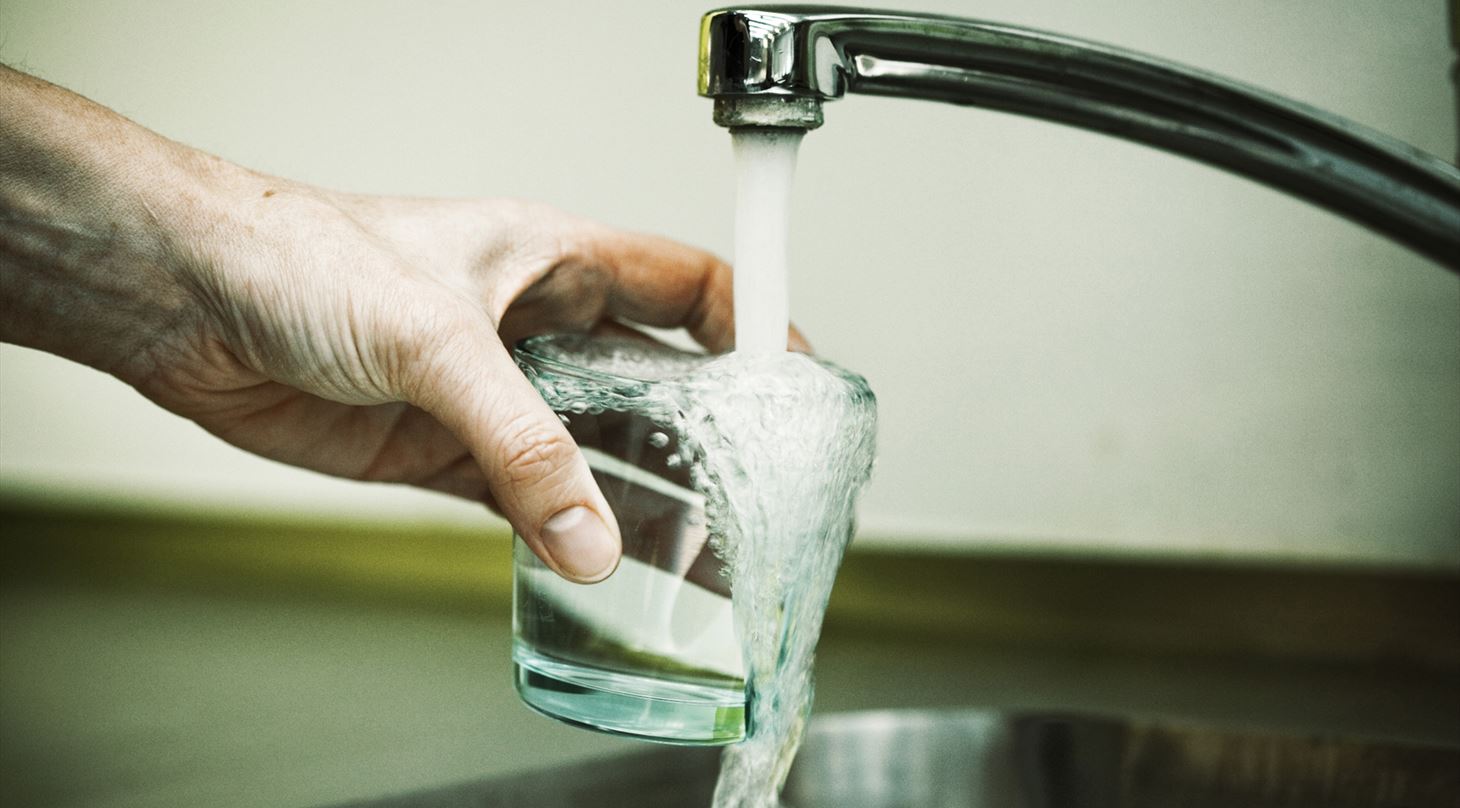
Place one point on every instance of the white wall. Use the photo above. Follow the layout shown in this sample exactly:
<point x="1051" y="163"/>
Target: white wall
<point x="1077" y="342"/>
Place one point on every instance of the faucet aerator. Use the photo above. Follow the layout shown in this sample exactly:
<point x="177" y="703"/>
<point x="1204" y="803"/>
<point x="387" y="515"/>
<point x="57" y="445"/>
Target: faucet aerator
<point x="768" y="111"/>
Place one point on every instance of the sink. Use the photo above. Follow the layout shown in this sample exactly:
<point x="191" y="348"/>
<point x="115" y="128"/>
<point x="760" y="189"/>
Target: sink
<point x="978" y="758"/>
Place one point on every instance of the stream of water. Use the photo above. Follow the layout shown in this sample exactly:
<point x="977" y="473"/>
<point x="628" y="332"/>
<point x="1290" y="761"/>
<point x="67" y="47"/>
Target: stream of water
<point x="765" y="163"/>
<point x="797" y="444"/>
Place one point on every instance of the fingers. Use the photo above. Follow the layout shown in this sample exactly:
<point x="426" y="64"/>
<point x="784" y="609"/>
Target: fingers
<point x="535" y="473"/>
<point x="797" y="342"/>
<point x="612" y="328"/>
<point x="660" y="282"/>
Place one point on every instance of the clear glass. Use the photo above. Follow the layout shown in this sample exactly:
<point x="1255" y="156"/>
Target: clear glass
<point x="651" y="652"/>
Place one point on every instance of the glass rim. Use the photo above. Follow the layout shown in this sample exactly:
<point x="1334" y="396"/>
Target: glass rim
<point x="527" y="350"/>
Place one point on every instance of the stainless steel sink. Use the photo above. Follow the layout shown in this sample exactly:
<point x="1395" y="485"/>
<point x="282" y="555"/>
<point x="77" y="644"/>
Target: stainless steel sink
<point x="973" y="759"/>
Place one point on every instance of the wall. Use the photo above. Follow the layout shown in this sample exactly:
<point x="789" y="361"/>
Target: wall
<point x="1078" y="344"/>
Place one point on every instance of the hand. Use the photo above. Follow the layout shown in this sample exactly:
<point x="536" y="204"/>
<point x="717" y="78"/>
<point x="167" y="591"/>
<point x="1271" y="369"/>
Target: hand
<point x="360" y="336"/>
<point x="368" y="338"/>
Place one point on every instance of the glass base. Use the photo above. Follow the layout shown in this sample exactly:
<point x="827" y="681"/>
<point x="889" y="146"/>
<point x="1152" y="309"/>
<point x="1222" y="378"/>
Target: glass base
<point x="623" y="704"/>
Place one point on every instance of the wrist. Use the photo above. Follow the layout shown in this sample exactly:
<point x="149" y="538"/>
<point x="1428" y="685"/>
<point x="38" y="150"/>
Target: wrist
<point x="104" y="230"/>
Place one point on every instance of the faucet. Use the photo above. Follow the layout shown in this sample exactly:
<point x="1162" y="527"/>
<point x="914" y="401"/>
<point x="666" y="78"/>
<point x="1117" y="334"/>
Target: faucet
<point x="774" y="66"/>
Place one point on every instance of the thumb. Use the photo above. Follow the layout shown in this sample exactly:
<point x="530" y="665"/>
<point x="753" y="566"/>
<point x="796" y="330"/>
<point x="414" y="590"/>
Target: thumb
<point x="535" y="472"/>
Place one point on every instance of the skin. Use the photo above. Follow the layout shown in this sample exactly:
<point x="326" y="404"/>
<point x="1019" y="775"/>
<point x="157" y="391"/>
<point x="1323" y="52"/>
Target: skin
<point x="360" y="336"/>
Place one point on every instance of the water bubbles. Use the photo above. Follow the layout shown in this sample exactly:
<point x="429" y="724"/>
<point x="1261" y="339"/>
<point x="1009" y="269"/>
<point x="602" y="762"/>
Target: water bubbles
<point x="658" y="440"/>
<point x="674" y="461"/>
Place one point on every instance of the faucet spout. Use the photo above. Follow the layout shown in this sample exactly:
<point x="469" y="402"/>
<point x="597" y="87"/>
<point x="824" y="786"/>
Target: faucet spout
<point x="775" y="65"/>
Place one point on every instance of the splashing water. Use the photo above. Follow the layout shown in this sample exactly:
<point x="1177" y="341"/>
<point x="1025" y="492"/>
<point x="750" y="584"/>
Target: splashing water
<point x="780" y="445"/>
<point x="796" y="453"/>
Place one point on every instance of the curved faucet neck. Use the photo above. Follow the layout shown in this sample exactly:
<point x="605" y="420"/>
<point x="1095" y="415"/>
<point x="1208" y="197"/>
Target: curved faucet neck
<point x="775" y="65"/>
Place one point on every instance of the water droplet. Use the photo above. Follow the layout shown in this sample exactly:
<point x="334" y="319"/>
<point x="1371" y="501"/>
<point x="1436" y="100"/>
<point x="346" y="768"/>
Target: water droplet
<point x="658" y="440"/>
<point x="564" y="418"/>
<point x="674" y="461"/>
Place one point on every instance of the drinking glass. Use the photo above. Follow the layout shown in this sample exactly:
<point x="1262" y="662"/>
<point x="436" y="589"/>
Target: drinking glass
<point x="651" y="651"/>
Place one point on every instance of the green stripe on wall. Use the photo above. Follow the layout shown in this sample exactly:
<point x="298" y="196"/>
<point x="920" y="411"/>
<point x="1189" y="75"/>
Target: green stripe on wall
<point x="1389" y="619"/>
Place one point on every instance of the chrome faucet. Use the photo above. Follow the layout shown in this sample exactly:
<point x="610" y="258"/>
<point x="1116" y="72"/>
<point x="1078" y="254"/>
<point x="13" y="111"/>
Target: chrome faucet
<point x="774" y="66"/>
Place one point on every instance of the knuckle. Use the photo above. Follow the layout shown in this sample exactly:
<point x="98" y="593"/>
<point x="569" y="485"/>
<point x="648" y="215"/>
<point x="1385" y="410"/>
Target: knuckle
<point x="534" y="453"/>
